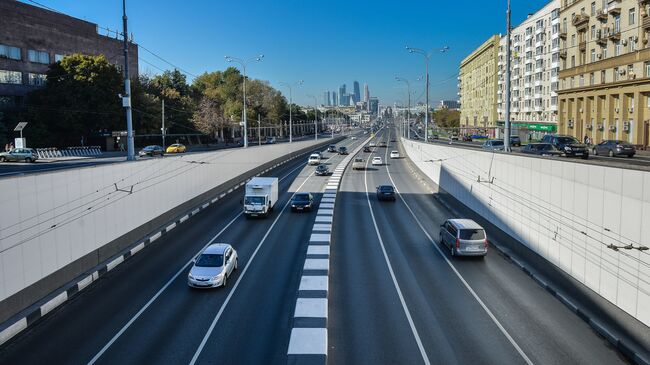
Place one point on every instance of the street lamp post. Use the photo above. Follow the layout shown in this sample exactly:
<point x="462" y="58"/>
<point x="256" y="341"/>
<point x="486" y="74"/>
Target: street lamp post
<point x="126" y="99"/>
<point x="408" y="112"/>
<point x="243" y="64"/>
<point x="315" y="116"/>
<point x="427" y="57"/>
<point x="290" y="86"/>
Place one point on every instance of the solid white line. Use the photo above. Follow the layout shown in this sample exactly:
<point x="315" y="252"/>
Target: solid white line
<point x="423" y="352"/>
<point x="168" y="283"/>
<point x="469" y="288"/>
<point x="243" y="274"/>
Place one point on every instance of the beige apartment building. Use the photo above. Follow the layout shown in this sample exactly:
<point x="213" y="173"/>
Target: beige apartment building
<point x="605" y="70"/>
<point x="478" y="88"/>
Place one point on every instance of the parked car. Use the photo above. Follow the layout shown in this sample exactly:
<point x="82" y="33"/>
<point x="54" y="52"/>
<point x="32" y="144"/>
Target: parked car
<point x="612" y="147"/>
<point x="152" y="150"/>
<point x="515" y="141"/>
<point x="366" y="149"/>
<point x="541" y="149"/>
<point x="385" y="192"/>
<point x="394" y="154"/>
<point x="493" y="145"/>
<point x="343" y="150"/>
<point x="314" y="159"/>
<point x="467" y="138"/>
<point x="176" y="148"/>
<point x="322" y="170"/>
<point x="376" y="161"/>
<point x="464" y="237"/>
<point x="19" y="154"/>
<point x="358" y="164"/>
<point x="453" y="136"/>
<point x="568" y="145"/>
<point x="213" y="266"/>
<point x="302" y="202"/>
<point x="270" y="140"/>
<point x="331" y="148"/>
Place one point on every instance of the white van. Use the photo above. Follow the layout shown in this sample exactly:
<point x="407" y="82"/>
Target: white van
<point x="314" y="159"/>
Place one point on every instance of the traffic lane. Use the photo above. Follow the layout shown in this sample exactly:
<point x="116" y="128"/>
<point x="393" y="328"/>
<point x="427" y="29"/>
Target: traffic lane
<point x="122" y="292"/>
<point x="547" y="331"/>
<point x="366" y="323"/>
<point x="188" y="314"/>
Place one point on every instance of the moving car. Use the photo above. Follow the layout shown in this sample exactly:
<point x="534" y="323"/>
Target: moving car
<point x="493" y="145"/>
<point x="568" y="145"/>
<point x="331" y="148"/>
<point x="314" y="159"/>
<point x="302" y="201"/>
<point x="343" y="150"/>
<point x="541" y="149"/>
<point x="152" y="150"/>
<point x="613" y="147"/>
<point x="515" y="141"/>
<point x="322" y="170"/>
<point x="383" y="144"/>
<point x="394" y="154"/>
<point x="213" y="266"/>
<point x="366" y="149"/>
<point x="176" y="148"/>
<point x="464" y="237"/>
<point x="358" y="164"/>
<point x="377" y="161"/>
<point x="353" y="137"/>
<point x="372" y="144"/>
<point x="385" y="192"/>
<point x="19" y="154"/>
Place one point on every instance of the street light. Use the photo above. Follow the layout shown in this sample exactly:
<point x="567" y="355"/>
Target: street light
<point x="427" y="57"/>
<point x="243" y="64"/>
<point x="408" y="112"/>
<point x="315" y="116"/>
<point x="290" y="86"/>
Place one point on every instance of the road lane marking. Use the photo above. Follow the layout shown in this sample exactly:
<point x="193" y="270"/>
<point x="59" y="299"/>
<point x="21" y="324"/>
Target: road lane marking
<point x="462" y="279"/>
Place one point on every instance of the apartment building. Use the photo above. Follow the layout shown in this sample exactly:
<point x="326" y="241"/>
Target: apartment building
<point x="478" y="88"/>
<point x="535" y="50"/>
<point x="605" y="70"/>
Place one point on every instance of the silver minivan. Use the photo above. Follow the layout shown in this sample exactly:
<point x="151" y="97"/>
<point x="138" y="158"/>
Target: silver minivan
<point x="464" y="237"/>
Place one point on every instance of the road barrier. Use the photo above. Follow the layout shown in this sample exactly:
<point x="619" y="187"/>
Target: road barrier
<point x="77" y="151"/>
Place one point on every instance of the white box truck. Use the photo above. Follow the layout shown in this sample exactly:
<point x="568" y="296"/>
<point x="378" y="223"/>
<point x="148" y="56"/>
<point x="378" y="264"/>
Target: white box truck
<point x="260" y="196"/>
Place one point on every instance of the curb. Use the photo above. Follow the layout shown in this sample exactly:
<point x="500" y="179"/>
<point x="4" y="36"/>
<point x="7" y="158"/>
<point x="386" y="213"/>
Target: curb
<point x="40" y="309"/>
<point x="308" y="339"/>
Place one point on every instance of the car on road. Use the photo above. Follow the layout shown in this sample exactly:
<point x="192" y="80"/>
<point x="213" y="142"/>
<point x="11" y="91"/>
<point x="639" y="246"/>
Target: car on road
<point x="515" y="141"/>
<point x="541" y="149"/>
<point x="176" y="148"/>
<point x="393" y="140"/>
<point x="343" y="150"/>
<point x="366" y="149"/>
<point x="213" y="266"/>
<point x="394" y="154"/>
<point x="358" y="164"/>
<point x="353" y="137"/>
<point x="372" y="144"/>
<point x="331" y="148"/>
<point x="383" y="144"/>
<point x="463" y="237"/>
<point x="453" y="137"/>
<point x="314" y="159"/>
<point x="270" y="140"/>
<point x="568" y="145"/>
<point x="19" y="154"/>
<point x="613" y="147"/>
<point x="302" y="202"/>
<point x="152" y="150"/>
<point x="493" y="145"/>
<point x="376" y="161"/>
<point x="322" y="170"/>
<point x="385" y="192"/>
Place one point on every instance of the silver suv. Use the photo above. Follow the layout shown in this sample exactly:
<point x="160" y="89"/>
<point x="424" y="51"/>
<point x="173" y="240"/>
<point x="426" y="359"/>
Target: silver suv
<point x="464" y="237"/>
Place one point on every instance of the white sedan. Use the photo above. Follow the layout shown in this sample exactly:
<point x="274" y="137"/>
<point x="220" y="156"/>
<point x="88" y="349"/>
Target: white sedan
<point x="394" y="154"/>
<point x="213" y="266"/>
<point x="377" y="161"/>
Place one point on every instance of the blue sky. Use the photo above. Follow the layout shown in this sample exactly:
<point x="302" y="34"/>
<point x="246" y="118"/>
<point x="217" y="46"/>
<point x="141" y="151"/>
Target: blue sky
<point x="324" y="43"/>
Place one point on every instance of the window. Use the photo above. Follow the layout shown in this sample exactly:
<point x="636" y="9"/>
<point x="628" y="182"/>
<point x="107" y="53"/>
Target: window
<point x="647" y="68"/>
<point x="602" y="76"/>
<point x="38" y="56"/>
<point x="630" y="71"/>
<point x="592" y="78"/>
<point x="11" y="77"/>
<point x="617" y="48"/>
<point x="632" y="16"/>
<point x="593" y="32"/>
<point x="36" y="79"/>
<point x="604" y="52"/>
<point x="617" y="24"/>
<point x="615" y="73"/>
<point x="573" y="61"/>
<point x="593" y="55"/>
<point x="631" y="44"/>
<point x="10" y="52"/>
<point x="573" y="39"/>
<point x="593" y="8"/>
<point x="58" y="57"/>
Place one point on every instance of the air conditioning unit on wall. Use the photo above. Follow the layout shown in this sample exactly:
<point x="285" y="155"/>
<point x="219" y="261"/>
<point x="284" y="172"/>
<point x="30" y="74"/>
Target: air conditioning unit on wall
<point x="612" y="128"/>
<point x="570" y="124"/>
<point x="600" y="126"/>
<point x="626" y="126"/>
<point x="589" y="126"/>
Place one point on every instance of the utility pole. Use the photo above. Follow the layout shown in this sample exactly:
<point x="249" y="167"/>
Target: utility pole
<point x="126" y="99"/>
<point x="259" y="130"/>
<point x="163" y="123"/>
<point x="244" y="63"/>
<point x="290" y="86"/>
<point x="506" y="131"/>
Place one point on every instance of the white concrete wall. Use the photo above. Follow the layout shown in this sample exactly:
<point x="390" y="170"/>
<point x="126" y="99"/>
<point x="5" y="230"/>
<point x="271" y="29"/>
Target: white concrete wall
<point x="565" y="211"/>
<point x="52" y="219"/>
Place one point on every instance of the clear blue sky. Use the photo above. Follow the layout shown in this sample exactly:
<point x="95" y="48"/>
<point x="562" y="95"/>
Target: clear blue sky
<point x="325" y="43"/>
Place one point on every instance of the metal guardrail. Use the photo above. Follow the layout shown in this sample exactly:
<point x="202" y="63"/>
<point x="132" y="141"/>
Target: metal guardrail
<point x="79" y="151"/>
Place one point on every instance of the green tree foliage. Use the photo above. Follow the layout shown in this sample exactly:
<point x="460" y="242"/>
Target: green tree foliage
<point x="172" y="87"/>
<point x="447" y="118"/>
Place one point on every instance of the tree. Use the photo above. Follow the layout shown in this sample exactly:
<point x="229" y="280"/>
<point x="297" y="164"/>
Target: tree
<point x="447" y="118"/>
<point x="172" y="87"/>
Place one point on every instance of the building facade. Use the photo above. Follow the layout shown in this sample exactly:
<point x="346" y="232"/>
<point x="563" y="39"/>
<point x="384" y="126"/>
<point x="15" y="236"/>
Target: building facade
<point x="535" y="50"/>
<point x="449" y="104"/>
<point x="478" y="87"/>
<point x="356" y="96"/>
<point x="605" y="70"/>
<point x="32" y="38"/>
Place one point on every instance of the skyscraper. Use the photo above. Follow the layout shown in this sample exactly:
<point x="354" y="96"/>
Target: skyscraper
<point x="327" y="101"/>
<point x="335" y="99"/>
<point x="366" y="93"/>
<point x="356" y="97"/>
<point x="341" y="94"/>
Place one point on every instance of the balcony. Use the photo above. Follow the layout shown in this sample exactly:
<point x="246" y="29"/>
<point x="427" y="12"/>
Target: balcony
<point x="614" y="7"/>
<point x="601" y="15"/>
<point x="563" y="33"/>
<point x="613" y="35"/>
<point x="580" y="20"/>
<point x="563" y="54"/>
<point x="645" y="23"/>
<point x="582" y="46"/>
<point x="600" y="39"/>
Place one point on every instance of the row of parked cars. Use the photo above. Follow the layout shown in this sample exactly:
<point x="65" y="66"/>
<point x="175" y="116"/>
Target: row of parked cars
<point x="569" y="146"/>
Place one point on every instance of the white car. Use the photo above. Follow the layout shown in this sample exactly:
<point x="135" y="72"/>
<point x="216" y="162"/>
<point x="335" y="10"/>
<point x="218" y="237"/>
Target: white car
<point x="372" y="144"/>
<point x="353" y="138"/>
<point x="394" y="154"/>
<point x="314" y="159"/>
<point x="213" y="266"/>
<point x="377" y="160"/>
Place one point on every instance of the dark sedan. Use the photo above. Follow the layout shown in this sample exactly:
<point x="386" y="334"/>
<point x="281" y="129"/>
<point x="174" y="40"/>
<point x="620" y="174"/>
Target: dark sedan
<point x="568" y="145"/>
<point x="612" y="147"/>
<point x="302" y="202"/>
<point x="541" y="149"/>
<point x="366" y="149"/>
<point x="385" y="192"/>
<point x="331" y="148"/>
<point x="343" y="150"/>
<point x="152" y="150"/>
<point x="322" y="170"/>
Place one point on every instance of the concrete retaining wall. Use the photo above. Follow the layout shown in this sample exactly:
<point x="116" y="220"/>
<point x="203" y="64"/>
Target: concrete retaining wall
<point x="577" y="216"/>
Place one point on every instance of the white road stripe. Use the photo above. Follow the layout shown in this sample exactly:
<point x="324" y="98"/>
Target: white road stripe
<point x="308" y="341"/>
<point x="317" y="264"/>
<point x="324" y="218"/>
<point x="313" y="282"/>
<point x="322" y="227"/>
<point x="311" y="307"/>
